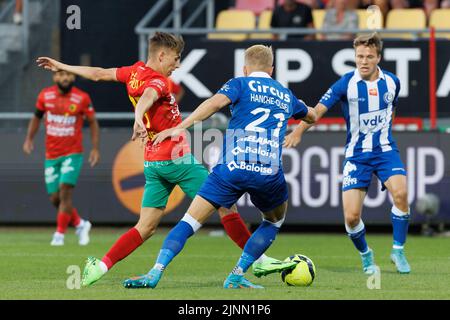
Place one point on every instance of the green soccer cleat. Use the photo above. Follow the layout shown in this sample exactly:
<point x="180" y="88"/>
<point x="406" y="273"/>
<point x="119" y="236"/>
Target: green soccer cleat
<point x="399" y="259"/>
<point x="149" y="280"/>
<point x="92" y="271"/>
<point x="270" y="265"/>
<point x="234" y="281"/>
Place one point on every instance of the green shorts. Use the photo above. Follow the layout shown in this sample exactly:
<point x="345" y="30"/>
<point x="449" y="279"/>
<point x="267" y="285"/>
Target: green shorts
<point x="64" y="169"/>
<point x="162" y="176"/>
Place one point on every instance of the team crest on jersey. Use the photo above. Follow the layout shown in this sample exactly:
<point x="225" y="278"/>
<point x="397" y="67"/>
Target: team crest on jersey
<point x="73" y="108"/>
<point x="388" y="97"/>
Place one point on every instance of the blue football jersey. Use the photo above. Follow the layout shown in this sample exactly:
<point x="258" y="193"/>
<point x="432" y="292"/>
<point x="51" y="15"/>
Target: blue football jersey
<point x="260" y="109"/>
<point x="368" y="108"/>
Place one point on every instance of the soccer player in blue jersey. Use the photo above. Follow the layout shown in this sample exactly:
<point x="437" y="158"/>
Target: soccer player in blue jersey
<point x="369" y="96"/>
<point x="251" y="163"/>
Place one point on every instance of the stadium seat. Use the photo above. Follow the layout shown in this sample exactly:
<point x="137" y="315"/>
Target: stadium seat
<point x="367" y="21"/>
<point x="318" y="16"/>
<point x="233" y="19"/>
<point x="257" y="6"/>
<point x="440" y="19"/>
<point x="263" y="23"/>
<point x="405" y="19"/>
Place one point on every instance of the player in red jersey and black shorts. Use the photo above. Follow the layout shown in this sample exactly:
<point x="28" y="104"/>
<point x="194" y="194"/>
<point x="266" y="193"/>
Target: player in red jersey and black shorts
<point x="166" y="165"/>
<point x="65" y="107"/>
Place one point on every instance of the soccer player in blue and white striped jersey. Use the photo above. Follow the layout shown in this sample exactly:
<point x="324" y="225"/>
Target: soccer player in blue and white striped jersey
<point x="369" y="96"/>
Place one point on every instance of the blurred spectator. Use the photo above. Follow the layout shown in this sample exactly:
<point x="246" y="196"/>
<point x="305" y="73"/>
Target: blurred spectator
<point x="17" y="17"/>
<point x="398" y="4"/>
<point x="428" y="6"/>
<point x="445" y="4"/>
<point x="293" y="15"/>
<point x="340" y="17"/>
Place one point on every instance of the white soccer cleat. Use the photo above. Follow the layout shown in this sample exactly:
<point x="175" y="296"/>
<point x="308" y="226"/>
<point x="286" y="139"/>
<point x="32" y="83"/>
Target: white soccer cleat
<point x="83" y="232"/>
<point x="58" y="239"/>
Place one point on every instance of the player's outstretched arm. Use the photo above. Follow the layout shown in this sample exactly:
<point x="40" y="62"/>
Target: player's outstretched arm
<point x="294" y="138"/>
<point x="33" y="127"/>
<point x="94" y="155"/>
<point x="205" y="110"/>
<point x="90" y="73"/>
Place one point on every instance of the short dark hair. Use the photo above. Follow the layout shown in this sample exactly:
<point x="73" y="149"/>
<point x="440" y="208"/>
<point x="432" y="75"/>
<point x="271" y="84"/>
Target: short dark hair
<point x="370" y="40"/>
<point x="165" y="40"/>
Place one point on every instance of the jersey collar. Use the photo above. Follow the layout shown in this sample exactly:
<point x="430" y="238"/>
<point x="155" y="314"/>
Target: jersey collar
<point x="380" y="75"/>
<point x="259" y="74"/>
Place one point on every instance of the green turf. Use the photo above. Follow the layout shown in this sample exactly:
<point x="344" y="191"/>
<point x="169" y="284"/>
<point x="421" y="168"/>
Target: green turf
<point x="31" y="269"/>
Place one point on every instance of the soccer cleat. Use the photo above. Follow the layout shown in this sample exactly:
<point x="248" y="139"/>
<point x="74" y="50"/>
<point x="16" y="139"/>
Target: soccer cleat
<point x="368" y="263"/>
<point x="149" y="280"/>
<point x="58" y="239"/>
<point x="270" y="265"/>
<point x="234" y="281"/>
<point x="83" y="233"/>
<point x="92" y="272"/>
<point x="399" y="259"/>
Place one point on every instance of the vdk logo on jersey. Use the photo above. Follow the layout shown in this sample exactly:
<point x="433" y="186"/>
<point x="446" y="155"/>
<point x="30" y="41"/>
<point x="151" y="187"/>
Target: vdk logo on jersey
<point x="348" y="180"/>
<point x="372" y="121"/>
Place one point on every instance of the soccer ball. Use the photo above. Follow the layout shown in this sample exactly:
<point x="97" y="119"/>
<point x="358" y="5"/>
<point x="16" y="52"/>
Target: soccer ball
<point x="302" y="275"/>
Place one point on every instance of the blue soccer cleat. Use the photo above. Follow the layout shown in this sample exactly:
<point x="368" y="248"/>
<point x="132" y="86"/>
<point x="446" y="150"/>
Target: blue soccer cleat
<point x="149" y="280"/>
<point x="234" y="281"/>
<point x="368" y="263"/>
<point x="399" y="259"/>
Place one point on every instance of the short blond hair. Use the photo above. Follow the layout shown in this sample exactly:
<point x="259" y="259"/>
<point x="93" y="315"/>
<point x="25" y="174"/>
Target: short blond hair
<point x="259" y="56"/>
<point x="370" y="40"/>
<point x="167" y="41"/>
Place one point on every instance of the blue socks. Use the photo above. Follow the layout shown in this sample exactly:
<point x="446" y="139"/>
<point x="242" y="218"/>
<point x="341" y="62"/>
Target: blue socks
<point x="258" y="243"/>
<point x="358" y="236"/>
<point x="173" y="244"/>
<point x="400" y="222"/>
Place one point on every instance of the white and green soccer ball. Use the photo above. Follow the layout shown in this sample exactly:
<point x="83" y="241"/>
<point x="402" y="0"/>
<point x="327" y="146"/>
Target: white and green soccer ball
<point x="302" y="275"/>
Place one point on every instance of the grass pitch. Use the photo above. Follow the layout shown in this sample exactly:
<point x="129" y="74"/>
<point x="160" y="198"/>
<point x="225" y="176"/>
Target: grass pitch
<point x="31" y="269"/>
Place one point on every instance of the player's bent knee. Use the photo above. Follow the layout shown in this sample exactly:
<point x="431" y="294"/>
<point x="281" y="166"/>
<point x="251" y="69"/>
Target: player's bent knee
<point x="352" y="220"/>
<point x="400" y="197"/>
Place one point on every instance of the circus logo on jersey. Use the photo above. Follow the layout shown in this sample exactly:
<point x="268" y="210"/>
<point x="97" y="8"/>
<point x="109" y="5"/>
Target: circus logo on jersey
<point x="128" y="179"/>
<point x="388" y="97"/>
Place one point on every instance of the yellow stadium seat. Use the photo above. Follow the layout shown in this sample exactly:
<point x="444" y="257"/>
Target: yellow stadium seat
<point x="404" y="19"/>
<point x="318" y="17"/>
<point x="440" y="19"/>
<point x="263" y="23"/>
<point x="233" y="19"/>
<point x="369" y="19"/>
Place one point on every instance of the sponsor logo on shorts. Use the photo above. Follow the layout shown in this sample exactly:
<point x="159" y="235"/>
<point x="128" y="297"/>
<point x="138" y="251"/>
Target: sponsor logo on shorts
<point x="253" y="167"/>
<point x="66" y="166"/>
<point x="50" y="175"/>
<point x="348" y="180"/>
<point x="398" y="169"/>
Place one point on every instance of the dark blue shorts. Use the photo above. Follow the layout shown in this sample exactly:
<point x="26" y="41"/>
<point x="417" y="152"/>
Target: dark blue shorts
<point x="357" y="172"/>
<point x="224" y="187"/>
